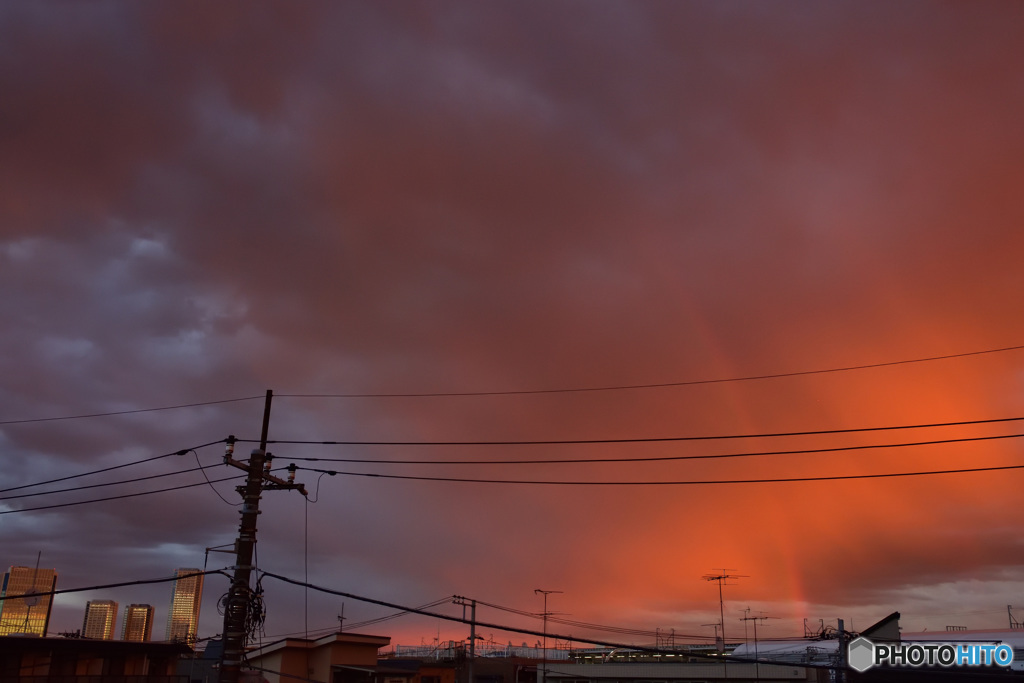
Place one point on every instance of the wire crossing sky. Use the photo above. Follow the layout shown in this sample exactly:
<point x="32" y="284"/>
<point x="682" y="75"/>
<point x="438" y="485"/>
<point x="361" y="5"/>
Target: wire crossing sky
<point x="525" y="391"/>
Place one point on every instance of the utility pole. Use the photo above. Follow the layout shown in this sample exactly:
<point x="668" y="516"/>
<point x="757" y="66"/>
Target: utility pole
<point x="546" y="614"/>
<point x="746" y="613"/>
<point x="236" y="610"/>
<point x="841" y="636"/>
<point x="459" y="600"/>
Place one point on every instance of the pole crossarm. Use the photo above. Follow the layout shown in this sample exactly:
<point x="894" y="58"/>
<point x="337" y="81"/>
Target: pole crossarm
<point x="272" y="483"/>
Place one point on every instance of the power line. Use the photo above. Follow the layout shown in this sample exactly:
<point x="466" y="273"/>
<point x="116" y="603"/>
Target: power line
<point x="360" y="624"/>
<point x="125" y="495"/>
<point x="212" y="487"/>
<point x="511" y="610"/>
<point x="667" y="483"/>
<point x="660" y="458"/>
<point x="183" y="451"/>
<point x="658" y="385"/>
<point x="131" y="412"/>
<point x="655" y="385"/>
<point x="139" y="582"/>
<point x="583" y="624"/>
<point x="652" y="439"/>
<point x="621" y="630"/>
<point x="423" y="612"/>
<point x="502" y="627"/>
<point x="509" y="481"/>
<point x="396" y="615"/>
<point x="108" y="483"/>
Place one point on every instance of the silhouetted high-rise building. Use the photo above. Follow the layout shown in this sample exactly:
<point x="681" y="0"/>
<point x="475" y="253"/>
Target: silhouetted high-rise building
<point x="100" y="619"/>
<point x="138" y="623"/>
<point x="31" y="615"/>
<point x="183" y="618"/>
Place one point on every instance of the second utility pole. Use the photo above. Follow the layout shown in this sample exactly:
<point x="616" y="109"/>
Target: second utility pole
<point x="459" y="600"/>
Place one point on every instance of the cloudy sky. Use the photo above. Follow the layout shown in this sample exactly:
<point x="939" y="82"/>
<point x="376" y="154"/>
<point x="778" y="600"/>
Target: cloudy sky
<point x="529" y="222"/>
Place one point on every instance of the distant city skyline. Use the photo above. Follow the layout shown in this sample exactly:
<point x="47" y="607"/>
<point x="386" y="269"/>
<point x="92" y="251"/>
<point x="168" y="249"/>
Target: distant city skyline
<point x="99" y="620"/>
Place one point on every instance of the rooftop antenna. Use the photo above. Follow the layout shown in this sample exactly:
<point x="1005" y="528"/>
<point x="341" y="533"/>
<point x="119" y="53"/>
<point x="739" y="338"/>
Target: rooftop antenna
<point x="820" y="633"/>
<point x="715" y="625"/>
<point x="757" y="662"/>
<point x="722" y="577"/>
<point x="33" y="600"/>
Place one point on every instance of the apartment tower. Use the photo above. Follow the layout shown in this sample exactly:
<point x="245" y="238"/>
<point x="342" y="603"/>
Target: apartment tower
<point x="100" y="619"/>
<point x="138" y="623"/>
<point x="183" y="617"/>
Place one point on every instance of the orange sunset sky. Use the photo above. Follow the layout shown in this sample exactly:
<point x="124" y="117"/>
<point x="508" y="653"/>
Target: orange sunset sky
<point x="435" y="228"/>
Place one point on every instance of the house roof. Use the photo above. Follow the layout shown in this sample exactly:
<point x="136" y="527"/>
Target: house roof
<point x="314" y="643"/>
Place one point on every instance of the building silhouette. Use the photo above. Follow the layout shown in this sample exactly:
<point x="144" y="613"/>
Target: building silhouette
<point x="31" y="615"/>
<point x="183" y="617"/>
<point x="100" y="619"/>
<point x="138" y="623"/>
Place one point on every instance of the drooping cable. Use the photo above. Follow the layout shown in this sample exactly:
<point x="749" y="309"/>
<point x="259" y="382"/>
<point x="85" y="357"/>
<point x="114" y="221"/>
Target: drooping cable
<point x="139" y="582"/>
<point x="479" y="624"/>
<point x="396" y="615"/>
<point x="203" y="470"/>
<point x="646" y="439"/>
<point x="127" y="412"/>
<point x="104" y="484"/>
<point x="183" y="451"/>
<point x="660" y="458"/>
<point x="655" y="385"/>
<point x="662" y="385"/>
<point x="704" y="482"/>
<point x="125" y="495"/>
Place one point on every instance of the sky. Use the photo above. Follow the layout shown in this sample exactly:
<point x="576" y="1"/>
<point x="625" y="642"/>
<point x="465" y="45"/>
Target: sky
<point x="519" y="222"/>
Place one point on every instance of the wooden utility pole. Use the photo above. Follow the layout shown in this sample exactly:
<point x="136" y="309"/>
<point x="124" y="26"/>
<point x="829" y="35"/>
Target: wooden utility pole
<point x="459" y="600"/>
<point x="236" y="611"/>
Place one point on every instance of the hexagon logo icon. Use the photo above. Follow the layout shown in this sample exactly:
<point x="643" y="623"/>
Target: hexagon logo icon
<point x="861" y="655"/>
